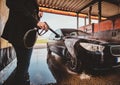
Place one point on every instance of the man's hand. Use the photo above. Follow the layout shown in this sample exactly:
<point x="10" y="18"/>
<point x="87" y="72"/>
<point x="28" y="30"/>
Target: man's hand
<point x="42" y="25"/>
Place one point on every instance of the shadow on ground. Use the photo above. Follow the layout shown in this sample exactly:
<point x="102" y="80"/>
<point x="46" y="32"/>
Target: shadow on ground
<point x="65" y="77"/>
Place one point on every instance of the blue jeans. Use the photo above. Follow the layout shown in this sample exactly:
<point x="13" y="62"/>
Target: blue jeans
<point x="23" y="61"/>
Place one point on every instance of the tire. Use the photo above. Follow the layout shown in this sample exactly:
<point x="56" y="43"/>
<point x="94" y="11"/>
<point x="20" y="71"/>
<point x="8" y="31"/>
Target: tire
<point x="72" y="63"/>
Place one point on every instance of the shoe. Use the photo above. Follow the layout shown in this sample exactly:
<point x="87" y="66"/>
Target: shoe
<point x="22" y="80"/>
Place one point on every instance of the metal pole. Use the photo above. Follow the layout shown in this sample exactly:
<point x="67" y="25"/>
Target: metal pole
<point x="89" y="14"/>
<point x="99" y="10"/>
<point x="85" y="22"/>
<point x="77" y="20"/>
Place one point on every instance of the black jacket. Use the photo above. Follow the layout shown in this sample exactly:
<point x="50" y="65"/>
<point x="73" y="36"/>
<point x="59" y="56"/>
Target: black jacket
<point x="23" y="15"/>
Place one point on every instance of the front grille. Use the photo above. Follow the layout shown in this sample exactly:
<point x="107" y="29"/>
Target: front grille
<point x="115" y="50"/>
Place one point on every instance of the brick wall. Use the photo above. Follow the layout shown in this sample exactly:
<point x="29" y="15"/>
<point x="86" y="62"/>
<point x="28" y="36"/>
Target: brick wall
<point x="108" y="30"/>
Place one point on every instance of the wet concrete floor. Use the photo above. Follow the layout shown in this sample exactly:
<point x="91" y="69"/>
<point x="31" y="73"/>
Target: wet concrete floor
<point x="48" y="70"/>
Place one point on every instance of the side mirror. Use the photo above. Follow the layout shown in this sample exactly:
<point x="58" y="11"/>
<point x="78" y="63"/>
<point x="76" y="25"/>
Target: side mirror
<point x="73" y="34"/>
<point x="58" y="37"/>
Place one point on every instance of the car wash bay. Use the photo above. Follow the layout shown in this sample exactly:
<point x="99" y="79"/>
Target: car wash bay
<point x="48" y="70"/>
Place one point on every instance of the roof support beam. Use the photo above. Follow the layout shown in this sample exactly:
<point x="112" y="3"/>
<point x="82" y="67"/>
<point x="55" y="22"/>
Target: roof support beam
<point x="88" y="5"/>
<point x="99" y="10"/>
<point x="48" y="10"/>
<point x="89" y="14"/>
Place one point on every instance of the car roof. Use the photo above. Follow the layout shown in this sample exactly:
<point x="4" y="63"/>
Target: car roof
<point x="68" y="30"/>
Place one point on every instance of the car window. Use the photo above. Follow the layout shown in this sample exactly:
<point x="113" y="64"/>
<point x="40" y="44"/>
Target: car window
<point x="69" y="32"/>
<point x="81" y="33"/>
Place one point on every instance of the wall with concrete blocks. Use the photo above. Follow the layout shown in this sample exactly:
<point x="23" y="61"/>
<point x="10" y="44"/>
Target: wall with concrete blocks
<point x="7" y="53"/>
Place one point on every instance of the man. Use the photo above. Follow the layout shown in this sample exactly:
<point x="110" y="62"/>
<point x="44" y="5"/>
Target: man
<point x="23" y="15"/>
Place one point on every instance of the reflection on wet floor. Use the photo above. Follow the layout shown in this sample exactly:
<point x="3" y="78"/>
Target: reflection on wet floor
<point x="49" y="70"/>
<point x="65" y="77"/>
<point x="39" y="71"/>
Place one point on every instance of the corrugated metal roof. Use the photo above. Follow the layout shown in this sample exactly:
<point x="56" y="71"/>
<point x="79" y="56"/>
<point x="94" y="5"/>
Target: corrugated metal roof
<point x="109" y="7"/>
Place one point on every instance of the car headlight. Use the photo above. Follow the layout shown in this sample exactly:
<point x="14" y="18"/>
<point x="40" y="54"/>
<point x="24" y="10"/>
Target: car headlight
<point x="115" y="50"/>
<point x="92" y="47"/>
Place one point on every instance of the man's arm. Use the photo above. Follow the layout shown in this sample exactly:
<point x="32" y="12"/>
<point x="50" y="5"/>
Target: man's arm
<point x="27" y="8"/>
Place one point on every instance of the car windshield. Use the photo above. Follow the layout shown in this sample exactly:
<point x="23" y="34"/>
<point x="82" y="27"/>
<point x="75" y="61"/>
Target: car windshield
<point x="73" y="32"/>
<point x="69" y="32"/>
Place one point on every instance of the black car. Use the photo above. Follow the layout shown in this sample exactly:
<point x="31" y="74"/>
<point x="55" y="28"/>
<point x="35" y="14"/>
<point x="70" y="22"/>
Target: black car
<point x="80" y="51"/>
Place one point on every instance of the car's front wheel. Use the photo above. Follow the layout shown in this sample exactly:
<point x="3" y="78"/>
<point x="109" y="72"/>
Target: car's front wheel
<point x="72" y="63"/>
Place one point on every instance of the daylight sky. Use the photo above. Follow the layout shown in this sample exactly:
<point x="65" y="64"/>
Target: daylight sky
<point x="56" y="21"/>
